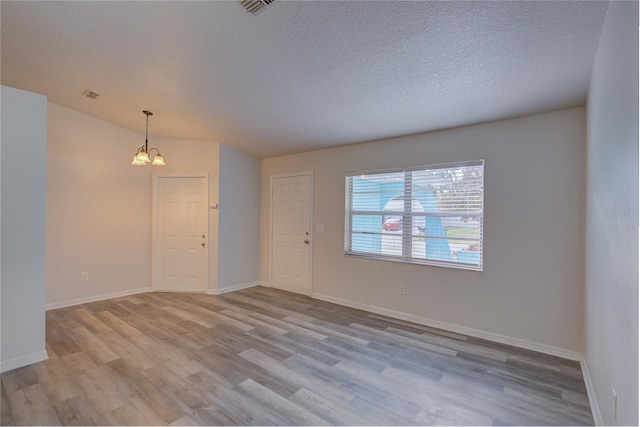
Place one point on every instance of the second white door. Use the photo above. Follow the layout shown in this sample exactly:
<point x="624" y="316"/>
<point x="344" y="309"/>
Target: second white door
<point x="182" y="219"/>
<point x="291" y="234"/>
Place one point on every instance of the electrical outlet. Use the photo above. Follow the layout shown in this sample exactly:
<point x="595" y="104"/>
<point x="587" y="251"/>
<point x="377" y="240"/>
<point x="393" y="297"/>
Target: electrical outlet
<point x="615" y="403"/>
<point x="401" y="289"/>
<point x="84" y="276"/>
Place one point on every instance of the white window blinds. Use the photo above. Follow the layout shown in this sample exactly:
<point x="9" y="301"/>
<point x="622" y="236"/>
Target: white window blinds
<point x="425" y="215"/>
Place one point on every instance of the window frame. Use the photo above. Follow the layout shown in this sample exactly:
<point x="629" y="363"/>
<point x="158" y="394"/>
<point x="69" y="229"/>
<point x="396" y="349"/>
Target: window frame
<point x="407" y="216"/>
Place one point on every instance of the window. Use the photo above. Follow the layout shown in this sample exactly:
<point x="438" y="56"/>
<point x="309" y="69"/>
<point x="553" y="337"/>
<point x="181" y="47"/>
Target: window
<point x="425" y="215"/>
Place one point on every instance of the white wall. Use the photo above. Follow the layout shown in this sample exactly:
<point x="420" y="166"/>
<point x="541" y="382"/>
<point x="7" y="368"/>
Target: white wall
<point x="99" y="205"/>
<point x="612" y="217"/>
<point x="23" y="175"/>
<point x="97" y="211"/>
<point x="532" y="285"/>
<point x="239" y="234"/>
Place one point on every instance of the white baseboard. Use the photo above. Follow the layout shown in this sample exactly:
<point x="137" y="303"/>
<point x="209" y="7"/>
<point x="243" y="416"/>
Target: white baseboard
<point x="232" y="288"/>
<point x="265" y="284"/>
<point x="591" y="392"/>
<point x="516" y="342"/>
<point x="95" y="298"/>
<point x="27" y="359"/>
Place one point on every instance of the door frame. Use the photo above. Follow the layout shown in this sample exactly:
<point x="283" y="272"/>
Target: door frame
<point x="311" y="226"/>
<point x="155" y="225"/>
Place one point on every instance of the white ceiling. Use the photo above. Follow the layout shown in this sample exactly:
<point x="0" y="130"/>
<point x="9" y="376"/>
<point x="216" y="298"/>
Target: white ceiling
<point x="302" y="75"/>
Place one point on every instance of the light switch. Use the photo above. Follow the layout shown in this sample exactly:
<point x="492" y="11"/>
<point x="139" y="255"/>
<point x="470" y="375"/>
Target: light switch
<point x="320" y="228"/>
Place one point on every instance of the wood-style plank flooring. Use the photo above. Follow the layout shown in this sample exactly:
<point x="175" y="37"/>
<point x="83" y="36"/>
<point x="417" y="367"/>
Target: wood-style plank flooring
<point x="266" y="357"/>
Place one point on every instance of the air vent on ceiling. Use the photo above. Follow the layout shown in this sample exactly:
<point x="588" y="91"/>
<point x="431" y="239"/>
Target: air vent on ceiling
<point x="255" y="6"/>
<point x="90" y="94"/>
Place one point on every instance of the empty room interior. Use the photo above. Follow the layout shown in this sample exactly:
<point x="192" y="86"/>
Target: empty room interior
<point x="281" y="212"/>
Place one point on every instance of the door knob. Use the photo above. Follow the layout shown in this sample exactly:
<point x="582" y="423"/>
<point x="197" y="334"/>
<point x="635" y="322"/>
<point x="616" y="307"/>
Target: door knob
<point x="202" y="244"/>
<point x="306" y="241"/>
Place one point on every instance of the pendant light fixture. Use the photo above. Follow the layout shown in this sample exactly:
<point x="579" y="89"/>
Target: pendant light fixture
<point x="142" y="155"/>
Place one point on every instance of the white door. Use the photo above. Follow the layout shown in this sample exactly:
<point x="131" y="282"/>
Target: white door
<point x="182" y="220"/>
<point x="291" y="234"/>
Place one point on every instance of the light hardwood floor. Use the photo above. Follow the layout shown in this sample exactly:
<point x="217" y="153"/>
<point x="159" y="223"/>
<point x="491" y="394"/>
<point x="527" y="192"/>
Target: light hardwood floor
<point x="267" y="357"/>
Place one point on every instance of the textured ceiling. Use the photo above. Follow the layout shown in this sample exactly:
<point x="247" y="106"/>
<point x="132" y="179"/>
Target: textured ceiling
<point x="302" y="75"/>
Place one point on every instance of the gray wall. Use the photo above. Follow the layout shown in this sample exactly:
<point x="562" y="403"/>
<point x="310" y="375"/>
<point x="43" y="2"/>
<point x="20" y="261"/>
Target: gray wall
<point x="239" y="222"/>
<point x="23" y="197"/>
<point x="612" y="217"/>
<point x="531" y="290"/>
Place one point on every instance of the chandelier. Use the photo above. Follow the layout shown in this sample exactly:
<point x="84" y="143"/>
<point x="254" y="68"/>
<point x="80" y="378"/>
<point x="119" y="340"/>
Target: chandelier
<point x="142" y="155"/>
